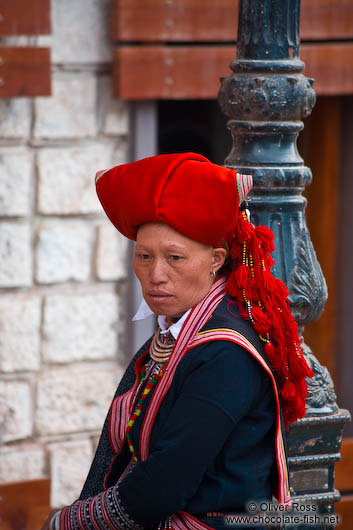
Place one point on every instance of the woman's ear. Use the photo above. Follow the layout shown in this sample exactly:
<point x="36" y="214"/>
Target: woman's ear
<point x="219" y="256"/>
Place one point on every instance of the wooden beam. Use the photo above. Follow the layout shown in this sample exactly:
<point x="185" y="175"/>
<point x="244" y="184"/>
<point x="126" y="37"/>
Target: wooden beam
<point x="344" y="482"/>
<point x="331" y="65"/>
<point x="344" y="510"/>
<point x="24" y="71"/>
<point x="344" y="468"/>
<point x="193" y="72"/>
<point x="209" y="21"/>
<point x="184" y="20"/>
<point x="157" y="72"/>
<point x="24" y="505"/>
<point x="326" y="19"/>
<point x="29" y="17"/>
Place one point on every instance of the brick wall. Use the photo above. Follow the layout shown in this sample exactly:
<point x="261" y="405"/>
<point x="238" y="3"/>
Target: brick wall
<point x="62" y="266"/>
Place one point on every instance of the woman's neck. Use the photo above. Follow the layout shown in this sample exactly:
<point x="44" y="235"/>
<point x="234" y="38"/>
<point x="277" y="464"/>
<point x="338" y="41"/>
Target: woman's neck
<point x="173" y="320"/>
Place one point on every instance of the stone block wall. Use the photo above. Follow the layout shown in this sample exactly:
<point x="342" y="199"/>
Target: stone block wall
<point x="62" y="265"/>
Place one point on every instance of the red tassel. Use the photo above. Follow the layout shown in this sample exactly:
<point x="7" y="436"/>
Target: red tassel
<point x="281" y="288"/>
<point x="231" y="285"/>
<point x="268" y="281"/>
<point x="266" y="237"/>
<point x="262" y="328"/>
<point x="288" y="390"/>
<point x="241" y="276"/>
<point x="269" y="350"/>
<point x="259" y="315"/>
<point x="245" y="230"/>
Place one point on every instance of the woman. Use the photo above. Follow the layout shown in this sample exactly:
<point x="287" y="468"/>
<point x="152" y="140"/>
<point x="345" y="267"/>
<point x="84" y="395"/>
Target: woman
<point x="195" y="429"/>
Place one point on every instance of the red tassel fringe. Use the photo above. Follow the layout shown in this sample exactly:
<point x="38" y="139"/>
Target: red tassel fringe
<point x="270" y="314"/>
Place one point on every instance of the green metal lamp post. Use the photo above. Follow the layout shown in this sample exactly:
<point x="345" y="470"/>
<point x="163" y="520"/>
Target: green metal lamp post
<point x="266" y="98"/>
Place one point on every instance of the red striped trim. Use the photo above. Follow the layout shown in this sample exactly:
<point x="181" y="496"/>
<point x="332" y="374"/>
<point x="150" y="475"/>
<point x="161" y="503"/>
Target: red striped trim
<point x="79" y="520"/>
<point x="79" y="517"/>
<point x="197" y="317"/>
<point x="186" y="521"/>
<point x="245" y="183"/>
<point x="92" y="516"/>
<point x="121" y="410"/>
<point x="105" y="514"/>
<point x="118" y="418"/>
<point x="64" y="519"/>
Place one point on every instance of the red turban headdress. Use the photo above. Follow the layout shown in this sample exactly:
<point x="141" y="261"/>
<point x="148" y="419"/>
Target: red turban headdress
<point x="184" y="190"/>
<point x="201" y="200"/>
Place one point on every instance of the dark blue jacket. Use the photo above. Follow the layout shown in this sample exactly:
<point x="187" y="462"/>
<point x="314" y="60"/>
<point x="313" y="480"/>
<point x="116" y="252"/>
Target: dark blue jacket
<point x="212" y="446"/>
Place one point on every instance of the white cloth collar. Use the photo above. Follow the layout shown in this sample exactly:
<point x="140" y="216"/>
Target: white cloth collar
<point x="144" y="311"/>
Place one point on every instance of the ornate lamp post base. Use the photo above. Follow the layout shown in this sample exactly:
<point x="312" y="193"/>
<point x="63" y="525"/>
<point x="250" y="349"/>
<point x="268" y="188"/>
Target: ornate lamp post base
<point x="313" y="448"/>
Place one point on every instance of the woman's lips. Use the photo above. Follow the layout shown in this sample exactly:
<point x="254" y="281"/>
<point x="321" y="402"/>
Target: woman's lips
<point x="159" y="297"/>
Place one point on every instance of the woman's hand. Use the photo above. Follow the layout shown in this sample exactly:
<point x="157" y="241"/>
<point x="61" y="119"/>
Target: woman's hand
<point x="46" y="525"/>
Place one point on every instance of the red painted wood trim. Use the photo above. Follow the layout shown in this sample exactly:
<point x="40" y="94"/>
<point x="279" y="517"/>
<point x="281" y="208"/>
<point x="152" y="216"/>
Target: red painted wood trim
<point x="24" y="71"/>
<point x="24" y="17"/>
<point x="210" y="21"/>
<point x="24" y="505"/>
<point x="344" y="468"/>
<point x="193" y="72"/>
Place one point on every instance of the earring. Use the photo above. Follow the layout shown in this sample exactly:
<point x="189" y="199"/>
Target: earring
<point x="213" y="274"/>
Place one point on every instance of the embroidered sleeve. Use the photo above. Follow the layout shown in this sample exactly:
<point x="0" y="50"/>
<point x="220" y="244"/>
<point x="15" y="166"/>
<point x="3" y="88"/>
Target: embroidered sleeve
<point x="102" y="512"/>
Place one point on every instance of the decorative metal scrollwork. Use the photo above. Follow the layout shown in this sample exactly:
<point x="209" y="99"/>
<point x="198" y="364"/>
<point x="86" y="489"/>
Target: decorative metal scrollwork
<point x="307" y="286"/>
<point x="321" y="393"/>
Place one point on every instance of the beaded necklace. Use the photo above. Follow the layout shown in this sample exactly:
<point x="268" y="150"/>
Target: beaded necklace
<point x="161" y="346"/>
<point x="160" y="350"/>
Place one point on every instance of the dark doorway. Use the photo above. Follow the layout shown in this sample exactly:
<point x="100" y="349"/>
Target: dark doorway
<point x="193" y="125"/>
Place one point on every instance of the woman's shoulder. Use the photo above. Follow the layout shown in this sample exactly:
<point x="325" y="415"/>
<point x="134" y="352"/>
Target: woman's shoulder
<point x="225" y="374"/>
<point x="227" y="317"/>
<point x="222" y="355"/>
<point x="221" y="365"/>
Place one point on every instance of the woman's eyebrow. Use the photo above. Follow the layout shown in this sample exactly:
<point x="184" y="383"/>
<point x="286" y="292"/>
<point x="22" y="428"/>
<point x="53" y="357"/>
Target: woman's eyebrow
<point x="141" y="246"/>
<point x="174" y="246"/>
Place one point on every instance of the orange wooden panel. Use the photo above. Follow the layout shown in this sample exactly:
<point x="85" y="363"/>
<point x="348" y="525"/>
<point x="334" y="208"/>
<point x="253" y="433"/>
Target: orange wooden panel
<point x="181" y="20"/>
<point x="344" y="510"/>
<point x="210" y="21"/>
<point x="24" y="505"/>
<point x="24" y="17"/>
<point x="320" y="146"/>
<point x="187" y="72"/>
<point x="344" y="468"/>
<point x="326" y="19"/>
<point x="24" y="71"/>
<point x="331" y="65"/>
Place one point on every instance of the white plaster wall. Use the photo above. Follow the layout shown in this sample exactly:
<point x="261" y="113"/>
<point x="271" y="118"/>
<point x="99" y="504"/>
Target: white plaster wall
<point x="62" y="266"/>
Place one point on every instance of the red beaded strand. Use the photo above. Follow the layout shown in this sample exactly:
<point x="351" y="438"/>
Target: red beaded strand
<point x="247" y="259"/>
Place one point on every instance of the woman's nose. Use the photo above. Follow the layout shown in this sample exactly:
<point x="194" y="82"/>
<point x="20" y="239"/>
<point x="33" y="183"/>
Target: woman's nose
<point x="158" y="271"/>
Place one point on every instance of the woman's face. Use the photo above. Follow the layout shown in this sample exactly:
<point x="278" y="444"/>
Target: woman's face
<point x="174" y="271"/>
